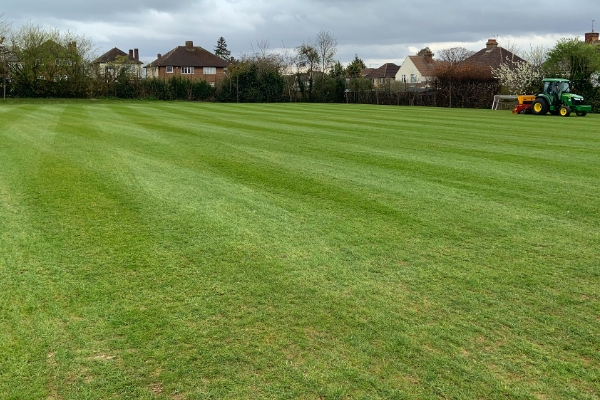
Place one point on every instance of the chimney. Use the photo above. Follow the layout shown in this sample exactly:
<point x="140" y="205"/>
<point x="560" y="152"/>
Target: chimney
<point x="591" y="37"/>
<point x="136" y="54"/>
<point x="158" y="56"/>
<point x="130" y="53"/>
<point x="189" y="45"/>
<point x="491" y="44"/>
<point x="428" y="57"/>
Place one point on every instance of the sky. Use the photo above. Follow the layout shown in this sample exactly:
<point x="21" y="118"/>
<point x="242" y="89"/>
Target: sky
<point x="378" y="31"/>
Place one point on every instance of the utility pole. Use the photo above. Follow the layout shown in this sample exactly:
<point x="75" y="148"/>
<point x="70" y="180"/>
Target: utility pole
<point x="3" y="54"/>
<point x="4" y="72"/>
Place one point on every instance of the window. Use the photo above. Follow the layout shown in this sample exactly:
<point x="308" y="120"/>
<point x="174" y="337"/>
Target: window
<point x="169" y="69"/>
<point x="413" y="78"/>
<point x="187" y="70"/>
<point x="404" y="78"/>
<point x="210" y="70"/>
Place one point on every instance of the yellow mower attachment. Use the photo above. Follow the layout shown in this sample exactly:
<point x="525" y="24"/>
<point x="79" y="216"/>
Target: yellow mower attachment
<point x="526" y="98"/>
<point x="524" y="106"/>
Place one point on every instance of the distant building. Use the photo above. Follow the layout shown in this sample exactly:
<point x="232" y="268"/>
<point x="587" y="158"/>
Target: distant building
<point x="417" y="71"/>
<point x="382" y="75"/>
<point x="110" y="63"/>
<point x="592" y="37"/>
<point x="50" y="61"/>
<point x="189" y="61"/>
<point x="492" y="56"/>
<point x="366" y="71"/>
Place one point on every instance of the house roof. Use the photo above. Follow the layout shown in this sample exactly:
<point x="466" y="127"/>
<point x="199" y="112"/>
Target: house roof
<point x="50" y="47"/>
<point x="492" y="56"/>
<point x="111" y="56"/>
<point x="387" y="70"/>
<point x="424" y="64"/>
<point x="366" y="71"/>
<point x="189" y="56"/>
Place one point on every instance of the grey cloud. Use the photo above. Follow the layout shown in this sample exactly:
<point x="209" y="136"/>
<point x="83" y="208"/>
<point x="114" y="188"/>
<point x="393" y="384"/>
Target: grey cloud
<point x="380" y="29"/>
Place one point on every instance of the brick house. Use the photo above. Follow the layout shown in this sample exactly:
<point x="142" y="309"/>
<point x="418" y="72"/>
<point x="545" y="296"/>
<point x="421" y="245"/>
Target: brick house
<point x="189" y="61"/>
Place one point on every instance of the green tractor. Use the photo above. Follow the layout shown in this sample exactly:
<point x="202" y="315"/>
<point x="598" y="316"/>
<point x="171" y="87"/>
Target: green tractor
<point x="558" y="99"/>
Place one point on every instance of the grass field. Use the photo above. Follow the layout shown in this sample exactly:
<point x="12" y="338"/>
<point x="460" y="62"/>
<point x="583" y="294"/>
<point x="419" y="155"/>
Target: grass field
<point x="190" y="251"/>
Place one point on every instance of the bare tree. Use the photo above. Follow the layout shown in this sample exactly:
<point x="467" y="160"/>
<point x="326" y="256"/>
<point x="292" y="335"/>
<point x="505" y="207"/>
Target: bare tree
<point x="513" y="47"/>
<point x="326" y="47"/>
<point x="263" y="48"/>
<point x="454" y="55"/>
<point x="536" y="56"/>
<point x="264" y="57"/>
<point x="4" y="29"/>
<point x="290" y="60"/>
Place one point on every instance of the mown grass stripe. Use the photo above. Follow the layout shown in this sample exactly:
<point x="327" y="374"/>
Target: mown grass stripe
<point x="296" y="250"/>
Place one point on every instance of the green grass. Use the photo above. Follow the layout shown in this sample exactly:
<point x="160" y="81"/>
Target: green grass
<point x="190" y="251"/>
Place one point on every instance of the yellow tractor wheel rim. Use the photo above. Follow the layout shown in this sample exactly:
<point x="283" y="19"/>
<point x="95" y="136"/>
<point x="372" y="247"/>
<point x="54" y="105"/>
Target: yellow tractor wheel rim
<point x="563" y="111"/>
<point x="537" y="107"/>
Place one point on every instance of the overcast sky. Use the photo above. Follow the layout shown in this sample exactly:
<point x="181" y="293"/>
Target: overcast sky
<point x="377" y="31"/>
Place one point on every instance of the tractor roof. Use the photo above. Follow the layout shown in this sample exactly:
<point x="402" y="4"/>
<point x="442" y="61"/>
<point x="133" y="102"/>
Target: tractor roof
<point x="555" y="80"/>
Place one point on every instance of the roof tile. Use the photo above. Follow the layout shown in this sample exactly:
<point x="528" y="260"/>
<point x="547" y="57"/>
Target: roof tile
<point x="182" y="56"/>
<point x="387" y="70"/>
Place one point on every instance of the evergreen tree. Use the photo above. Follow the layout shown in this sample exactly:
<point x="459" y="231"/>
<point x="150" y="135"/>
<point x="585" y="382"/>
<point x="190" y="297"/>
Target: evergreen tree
<point x="337" y="70"/>
<point x="425" y="51"/>
<point x="221" y="49"/>
<point x="354" y="69"/>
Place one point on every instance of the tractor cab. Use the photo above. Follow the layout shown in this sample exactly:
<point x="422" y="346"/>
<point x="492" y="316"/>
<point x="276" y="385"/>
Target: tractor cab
<point x="554" y="90"/>
<point x="557" y="87"/>
<point x="557" y="99"/>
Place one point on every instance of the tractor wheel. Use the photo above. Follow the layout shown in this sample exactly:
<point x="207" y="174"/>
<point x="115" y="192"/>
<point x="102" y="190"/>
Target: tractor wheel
<point x="564" y="111"/>
<point x="539" y="107"/>
<point x="581" y="113"/>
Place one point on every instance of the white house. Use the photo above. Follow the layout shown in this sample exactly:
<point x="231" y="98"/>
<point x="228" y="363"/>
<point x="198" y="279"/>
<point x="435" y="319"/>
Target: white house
<point x="416" y="71"/>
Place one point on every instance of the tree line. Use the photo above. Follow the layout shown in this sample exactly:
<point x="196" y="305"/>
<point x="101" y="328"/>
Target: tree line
<point x="41" y="62"/>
